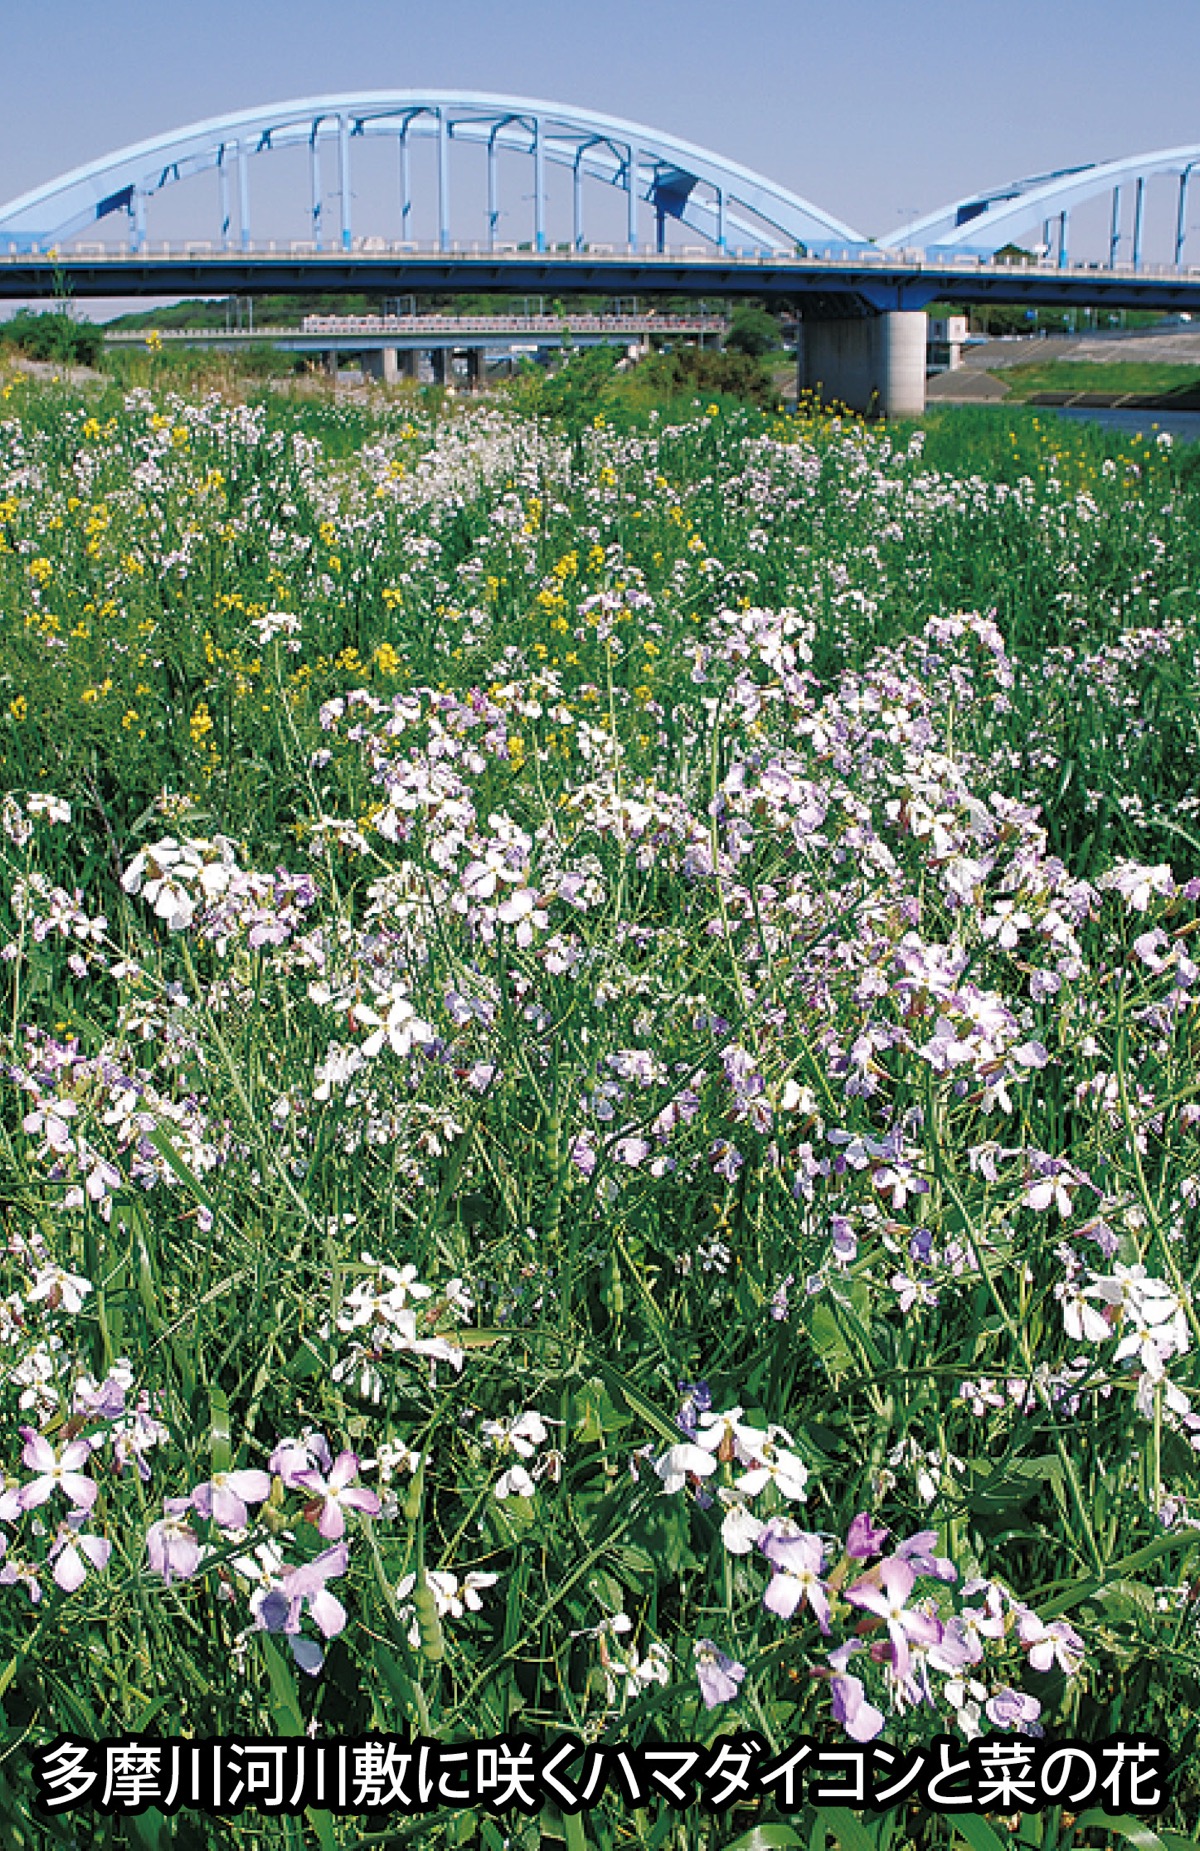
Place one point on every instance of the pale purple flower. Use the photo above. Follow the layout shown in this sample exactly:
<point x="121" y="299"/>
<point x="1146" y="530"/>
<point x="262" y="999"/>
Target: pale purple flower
<point x="697" y="1400"/>
<point x="959" y="1645"/>
<point x="864" y="1538"/>
<point x="335" y="1495"/>
<point x="136" y="1434"/>
<point x="72" y="1553"/>
<point x="56" y="1471"/>
<point x="1048" y="1645"/>
<point x="918" y="1553"/>
<point x="225" y="1495"/>
<point x="583" y="1155"/>
<point x="171" y="1543"/>
<point x="845" y="1242"/>
<point x="860" y="1719"/>
<point x="719" y="1675"/>
<point x="292" y="1458"/>
<point x="104" y="1400"/>
<point x="1013" y="1709"/>
<point x="14" y="1571"/>
<point x="282" y="1609"/>
<point x="885" y="1594"/>
<point x="797" y="1558"/>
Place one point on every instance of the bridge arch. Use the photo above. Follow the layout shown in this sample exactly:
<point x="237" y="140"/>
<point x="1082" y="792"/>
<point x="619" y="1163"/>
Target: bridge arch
<point x="988" y="221"/>
<point x="723" y="202"/>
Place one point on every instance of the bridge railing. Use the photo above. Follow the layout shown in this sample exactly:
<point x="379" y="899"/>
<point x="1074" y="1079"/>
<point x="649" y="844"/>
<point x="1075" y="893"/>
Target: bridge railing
<point x="856" y="258"/>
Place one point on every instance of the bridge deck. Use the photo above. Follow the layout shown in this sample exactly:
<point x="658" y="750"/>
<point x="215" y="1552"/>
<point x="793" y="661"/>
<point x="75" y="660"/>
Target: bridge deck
<point x="880" y="279"/>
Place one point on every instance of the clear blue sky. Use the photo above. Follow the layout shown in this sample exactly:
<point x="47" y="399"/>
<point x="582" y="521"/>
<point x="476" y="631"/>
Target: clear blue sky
<point x="873" y="108"/>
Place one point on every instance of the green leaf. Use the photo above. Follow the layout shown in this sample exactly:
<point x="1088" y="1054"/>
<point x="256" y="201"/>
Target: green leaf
<point x="399" y="1684"/>
<point x="219" y="1446"/>
<point x="828" y="1341"/>
<point x="847" y="1832"/>
<point x="1137" y="1834"/>
<point x="574" y="1833"/>
<point x="766" y="1838"/>
<point x="174" y="1161"/>
<point x="1078" y="1591"/>
<point x="1009" y="1486"/>
<point x="641" y="1404"/>
<point x="979" y="1835"/>
<point x="285" y="1702"/>
<point x="149" y="1830"/>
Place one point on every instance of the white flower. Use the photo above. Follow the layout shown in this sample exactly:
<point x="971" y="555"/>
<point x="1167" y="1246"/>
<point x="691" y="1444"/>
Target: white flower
<point x="1056" y="1189"/>
<point x="771" y="1464"/>
<point x="450" y="1595"/>
<point x="61" y="1288"/>
<point x="726" y="1432"/>
<point x="524" y="1434"/>
<point x="401" y="1027"/>
<point x="275" y="623"/>
<point x="54" y="809"/>
<point x="1082" y="1321"/>
<point x="740" y="1529"/>
<point x="680" y="1462"/>
<point x="515" y="1483"/>
<point x="49" y="1122"/>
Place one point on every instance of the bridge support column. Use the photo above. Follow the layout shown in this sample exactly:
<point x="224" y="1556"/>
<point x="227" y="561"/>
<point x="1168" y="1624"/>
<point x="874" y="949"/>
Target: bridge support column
<point x="476" y="368"/>
<point x="870" y="363"/>
<point x="380" y="363"/>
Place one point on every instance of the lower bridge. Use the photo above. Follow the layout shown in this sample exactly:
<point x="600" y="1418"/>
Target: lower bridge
<point x="391" y="347"/>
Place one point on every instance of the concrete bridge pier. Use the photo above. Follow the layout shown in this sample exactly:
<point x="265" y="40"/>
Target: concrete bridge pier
<point x="381" y="363"/>
<point x="871" y="361"/>
<point x="476" y="368"/>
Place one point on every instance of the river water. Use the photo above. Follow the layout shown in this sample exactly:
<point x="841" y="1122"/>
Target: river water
<point x="1184" y="426"/>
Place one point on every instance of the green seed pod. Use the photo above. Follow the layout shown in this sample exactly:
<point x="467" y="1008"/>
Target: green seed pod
<point x="433" y="1639"/>
<point x="614" y="1286"/>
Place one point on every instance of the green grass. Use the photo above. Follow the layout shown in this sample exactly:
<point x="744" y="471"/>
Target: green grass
<point x="1145" y="379"/>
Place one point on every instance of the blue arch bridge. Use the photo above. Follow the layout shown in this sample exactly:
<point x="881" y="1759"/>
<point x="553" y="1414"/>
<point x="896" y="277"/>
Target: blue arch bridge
<point x="688" y="222"/>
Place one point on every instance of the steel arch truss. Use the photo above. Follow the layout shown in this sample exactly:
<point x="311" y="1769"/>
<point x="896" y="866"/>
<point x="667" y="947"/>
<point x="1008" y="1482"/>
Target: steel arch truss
<point x="987" y="222"/>
<point x="722" y="202"/>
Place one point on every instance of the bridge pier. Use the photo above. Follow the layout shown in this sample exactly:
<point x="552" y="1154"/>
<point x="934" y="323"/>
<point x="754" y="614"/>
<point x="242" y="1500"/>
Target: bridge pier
<point x="476" y="368"/>
<point x="381" y="363"/>
<point x="872" y="362"/>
